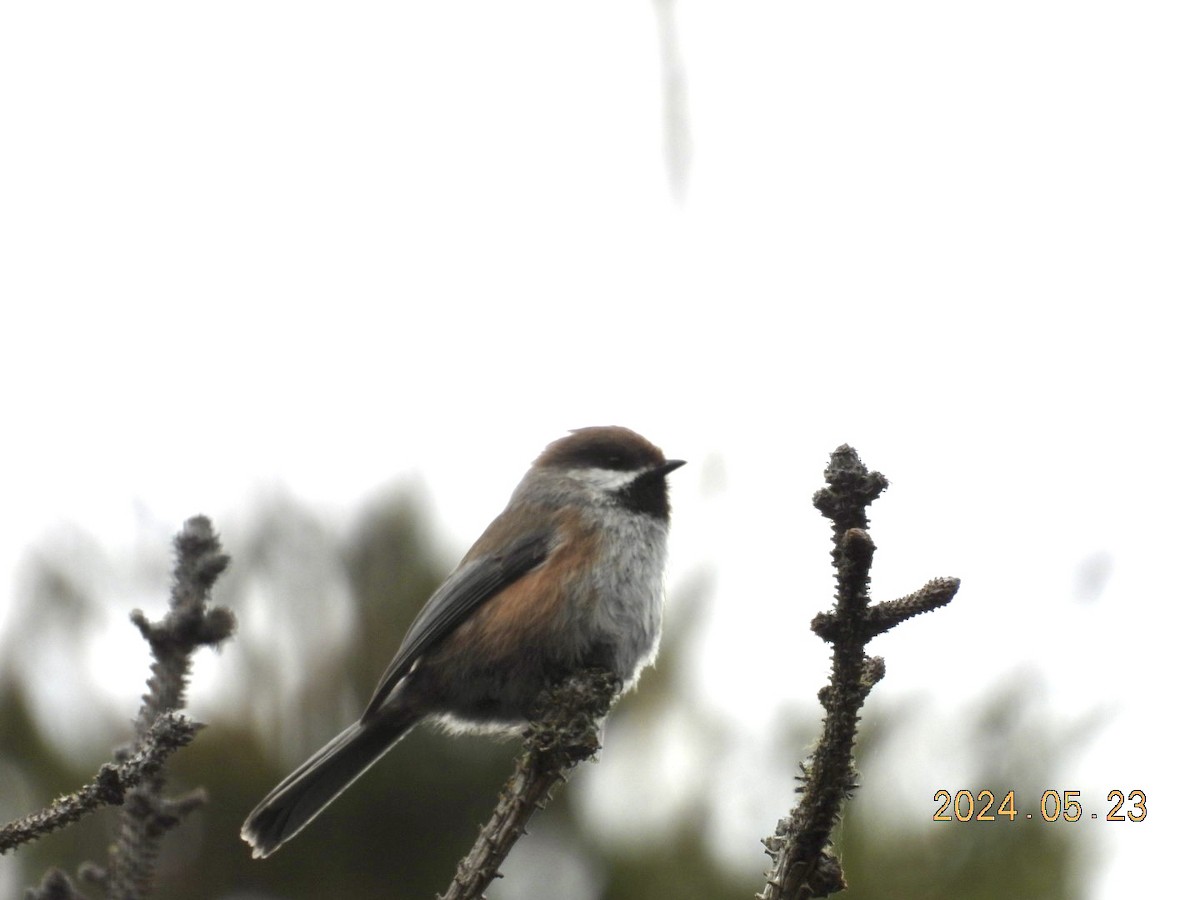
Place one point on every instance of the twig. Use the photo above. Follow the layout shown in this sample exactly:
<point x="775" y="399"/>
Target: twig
<point x="563" y="732"/>
<point x="804" y="863"/>
<point x="168" y="733"/>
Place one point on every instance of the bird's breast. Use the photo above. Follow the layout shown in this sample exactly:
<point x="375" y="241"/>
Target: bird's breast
<point x="626" y="586"/>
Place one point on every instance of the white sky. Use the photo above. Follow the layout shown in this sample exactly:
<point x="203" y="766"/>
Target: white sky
<point x="961" y="237"/>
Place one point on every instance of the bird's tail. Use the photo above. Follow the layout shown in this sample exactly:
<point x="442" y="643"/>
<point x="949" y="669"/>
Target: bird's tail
<point x="301" y="796"/>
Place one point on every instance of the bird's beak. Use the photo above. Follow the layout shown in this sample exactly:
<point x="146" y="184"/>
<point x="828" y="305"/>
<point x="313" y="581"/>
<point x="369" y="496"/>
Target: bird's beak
<point x="666" y="468"/>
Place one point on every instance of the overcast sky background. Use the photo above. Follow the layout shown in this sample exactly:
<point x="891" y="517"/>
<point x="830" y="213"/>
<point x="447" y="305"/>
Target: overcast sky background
<point x="246" y="246"/>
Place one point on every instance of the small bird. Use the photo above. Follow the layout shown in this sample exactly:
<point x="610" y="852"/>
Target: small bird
<point x="569" y="576"/>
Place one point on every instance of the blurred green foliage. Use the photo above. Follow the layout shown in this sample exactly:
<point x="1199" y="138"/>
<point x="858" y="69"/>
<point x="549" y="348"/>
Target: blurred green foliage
<point x="338" y="602"/>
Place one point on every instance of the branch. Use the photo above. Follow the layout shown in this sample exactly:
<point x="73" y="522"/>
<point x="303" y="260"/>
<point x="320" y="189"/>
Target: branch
<point x="563" y="732"/>
<point x="168" y="733"/>
<point x="804" y="863"/>
<point x="189" y="624"/>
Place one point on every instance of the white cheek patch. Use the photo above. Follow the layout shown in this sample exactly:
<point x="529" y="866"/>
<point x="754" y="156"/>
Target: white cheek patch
<point x="604" y="481"/>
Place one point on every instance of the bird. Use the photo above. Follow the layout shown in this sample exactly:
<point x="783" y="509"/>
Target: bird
<point x="569" y="576"/>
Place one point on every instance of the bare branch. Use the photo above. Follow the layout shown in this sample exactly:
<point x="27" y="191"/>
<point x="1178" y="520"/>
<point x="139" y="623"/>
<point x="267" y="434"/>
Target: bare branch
<point x="563" y="733"/>
<point x="168" y="733"/>
<point x="189" y="624"/>
<point x="804" y="862"/>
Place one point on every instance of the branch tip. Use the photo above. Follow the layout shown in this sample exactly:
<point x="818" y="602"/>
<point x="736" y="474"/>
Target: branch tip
<point x="887" y="615"/>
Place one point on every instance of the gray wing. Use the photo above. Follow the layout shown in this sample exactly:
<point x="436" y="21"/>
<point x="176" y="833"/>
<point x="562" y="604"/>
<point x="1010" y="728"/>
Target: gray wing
<point x="467" y="588"/>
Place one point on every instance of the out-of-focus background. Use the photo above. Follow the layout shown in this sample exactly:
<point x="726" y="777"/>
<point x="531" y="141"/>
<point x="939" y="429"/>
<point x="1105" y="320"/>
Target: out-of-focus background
<point x="334" y="274"/>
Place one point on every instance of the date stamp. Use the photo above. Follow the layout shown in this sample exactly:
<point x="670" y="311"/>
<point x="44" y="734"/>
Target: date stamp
<point x="1055" y="806"/>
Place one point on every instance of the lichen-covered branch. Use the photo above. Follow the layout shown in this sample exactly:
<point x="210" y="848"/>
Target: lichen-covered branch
<point x="168" y="733"/>
<point x="564" y="731"/>
<point x="135" y="779"/>
<point x="189" y="624"/>
<point x="804" y="864"/>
